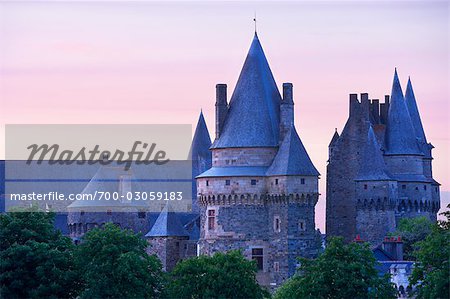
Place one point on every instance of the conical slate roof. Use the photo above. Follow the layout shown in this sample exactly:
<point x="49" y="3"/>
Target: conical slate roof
<point x="372" y="167"/>
<point x="415" y="118"/>
<point x="292" y="158"/>
<point x="201" y="141"/>
<point x="167" y="225"/>
<point x="253" y="116"/>
<point x="334" y="139"/>
<point x="400" y="134"/>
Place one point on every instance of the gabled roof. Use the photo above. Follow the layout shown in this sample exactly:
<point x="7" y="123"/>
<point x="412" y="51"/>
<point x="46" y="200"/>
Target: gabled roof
<point x="253" y="114"/>
<point x="201" y="141"/>
<point x="372" y="166"/>
<point x="167" y="225"/>
<point x="292" y="158"/>
<point x="415" y="119"/>
<point x="400" y="134"/>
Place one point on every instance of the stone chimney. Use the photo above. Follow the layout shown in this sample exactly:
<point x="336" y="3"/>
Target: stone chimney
<point x="394" y="246"/>
<point x="286" y="110"/>
<point x="221" y="107"/>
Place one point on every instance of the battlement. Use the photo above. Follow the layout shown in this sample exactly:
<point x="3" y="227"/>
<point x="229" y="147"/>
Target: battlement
<point x="372" y="108"/>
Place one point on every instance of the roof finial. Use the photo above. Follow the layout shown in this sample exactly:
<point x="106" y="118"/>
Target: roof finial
<point x="254" y="20"/>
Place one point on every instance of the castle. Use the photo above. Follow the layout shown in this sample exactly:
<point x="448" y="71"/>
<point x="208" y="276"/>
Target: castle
<point x="380" y="168"/>
<point x="260" y="194"/>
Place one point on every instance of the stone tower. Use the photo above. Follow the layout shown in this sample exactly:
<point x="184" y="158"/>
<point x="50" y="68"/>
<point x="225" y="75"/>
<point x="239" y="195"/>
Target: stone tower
<point x="260" y="194"/>
<point x="167" y="238"/>
<point x="379" y="168"/>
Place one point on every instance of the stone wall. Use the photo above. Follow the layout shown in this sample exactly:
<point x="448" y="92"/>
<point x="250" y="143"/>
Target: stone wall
<point x="256" y="156"/>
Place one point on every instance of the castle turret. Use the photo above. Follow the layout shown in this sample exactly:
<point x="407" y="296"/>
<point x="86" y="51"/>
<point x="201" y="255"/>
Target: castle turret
<point x="200" y="155"/>
<point x="376" y="194"/>
<point x="167" y="238"/>
<point x="221" y="107"/>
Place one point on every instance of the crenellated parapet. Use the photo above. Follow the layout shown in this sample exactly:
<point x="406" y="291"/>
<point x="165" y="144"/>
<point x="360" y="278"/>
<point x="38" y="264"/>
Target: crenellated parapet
<point x="306" y="199"/>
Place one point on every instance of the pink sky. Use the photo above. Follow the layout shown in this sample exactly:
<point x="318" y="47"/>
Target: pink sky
<point x="151" y="62"/>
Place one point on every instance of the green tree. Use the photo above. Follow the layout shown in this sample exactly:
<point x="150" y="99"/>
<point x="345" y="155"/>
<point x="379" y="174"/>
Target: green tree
<point x="36" y="261"/>
<point x="431" y="271"/>
<point x="341" y="271"/>
<point x="113" y="263"/>
<point x="224" y="275"/>
<point x="412" y="230"/>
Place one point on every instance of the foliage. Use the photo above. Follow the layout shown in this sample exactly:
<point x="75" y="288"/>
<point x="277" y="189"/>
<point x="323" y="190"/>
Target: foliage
<point x="341" y="271"/>
<point x="412" y="230"/>
<point x="113" y="264"/>
<point x="36" y="261"/>
<point x="224" y="275"/>
<point x="431" y="271"/>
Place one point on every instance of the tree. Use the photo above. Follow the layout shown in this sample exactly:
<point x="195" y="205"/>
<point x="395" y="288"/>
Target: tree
<point x="113" y="264"/>
<point x="430" y="273"/>
<point x="412" y="230"/>
<point x="224" y="275"/>
<point x="35" y="259"/>
<point x="341" y="271"/>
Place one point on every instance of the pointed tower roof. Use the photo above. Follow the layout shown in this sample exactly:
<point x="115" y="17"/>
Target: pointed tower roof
<point x="167" y="225"/>
<point x="400" y="134"/>
<point x="253" y="116"/>
<point x="415" y="118"/>
<point x="201" y="141"/>
<point x="292" y="158"/>
<point x="372" y="166"/>
<point x="335" y="138"/>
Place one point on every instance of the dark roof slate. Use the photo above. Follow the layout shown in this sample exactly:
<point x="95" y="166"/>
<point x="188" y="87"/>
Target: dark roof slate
<point x="292" y="158"/>
<point x="400" y="134"/>
<point x="372" y="166"/>
<point x="416" y="121"/>
<point x="201" y="141"/>
<point x="167" y="225"/>
<point x="253" y="115"/>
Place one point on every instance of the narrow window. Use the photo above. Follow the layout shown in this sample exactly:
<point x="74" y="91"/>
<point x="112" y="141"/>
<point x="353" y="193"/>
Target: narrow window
<point x="257" y="255"/>
<point x="276" y="266"/>
<point x="365" y="186"/>
<point x="276" y="181"/>
<point x="302" y="181"/>
<point x="207" y="183"/>
<point x="211" y="219"/>
<point x="82" y="212"/>
<point x="424" y="187"/>
<point x="227" y="182"/>
<point x="141" y="214"/>
<point x="277" y="224"/>
<point x="301" y="225"/>
<point x="253" y="182"/>
<point x="403" y="187"/>
<point x="109" y="212"/>
<point x="417" y="188"/>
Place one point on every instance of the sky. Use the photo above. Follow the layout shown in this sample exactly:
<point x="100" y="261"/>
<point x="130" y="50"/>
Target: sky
<point x="144" y="62"/>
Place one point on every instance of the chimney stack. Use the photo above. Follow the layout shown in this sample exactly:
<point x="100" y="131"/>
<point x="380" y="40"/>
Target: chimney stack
<point x="221" y="107"/>
<point x="286" y="110"/>
<point x="394" y="246"/>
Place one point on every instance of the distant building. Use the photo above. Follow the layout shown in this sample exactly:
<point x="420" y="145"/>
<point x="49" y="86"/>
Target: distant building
<point x="260" y="194"/>
<point x="380" y="168"/>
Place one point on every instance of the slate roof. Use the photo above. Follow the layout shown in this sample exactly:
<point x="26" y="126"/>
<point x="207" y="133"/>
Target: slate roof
<point x="108" y="180"/>
<point x="334" y="139"/>
<point x="201" y="141"/>
<point x="167" y="225"/>
<point x="292" y="158"/>
<point x="254" y="112"/>
<point x="400" y="134"/>
<point x="234" y="171"/>
<point x="372" y="166"/>
<point x="415" y="118"/>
